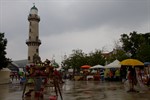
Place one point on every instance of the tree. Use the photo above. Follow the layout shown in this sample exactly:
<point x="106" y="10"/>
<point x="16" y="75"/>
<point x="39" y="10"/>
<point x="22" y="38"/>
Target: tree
<point x="143" y="53"/>
<point x="136" y="44"/>
<point x="130" y="43"/>
<point x="3" y="60"/>
<point x="79" y="58"/>
<point x="96" y="58"/>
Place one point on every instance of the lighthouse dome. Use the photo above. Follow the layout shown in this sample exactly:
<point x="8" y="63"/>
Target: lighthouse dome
<point x="34" y="7"/>
<point x="34" y="10"/>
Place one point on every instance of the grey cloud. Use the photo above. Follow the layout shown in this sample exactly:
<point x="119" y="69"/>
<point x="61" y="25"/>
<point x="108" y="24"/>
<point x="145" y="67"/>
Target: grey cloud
<point x="65" y="23"/>
<point x="85" y="15"/>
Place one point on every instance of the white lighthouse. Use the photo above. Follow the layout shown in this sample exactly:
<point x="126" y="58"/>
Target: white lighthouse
<point x="33" y="41"/>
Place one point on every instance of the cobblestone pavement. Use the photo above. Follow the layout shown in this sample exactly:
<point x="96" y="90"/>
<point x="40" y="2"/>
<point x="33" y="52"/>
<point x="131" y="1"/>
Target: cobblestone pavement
<point x="80" y="90"/>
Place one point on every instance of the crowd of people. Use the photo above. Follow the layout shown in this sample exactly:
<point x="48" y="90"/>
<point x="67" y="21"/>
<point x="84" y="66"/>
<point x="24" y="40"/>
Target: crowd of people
<point x="134" y="75"/>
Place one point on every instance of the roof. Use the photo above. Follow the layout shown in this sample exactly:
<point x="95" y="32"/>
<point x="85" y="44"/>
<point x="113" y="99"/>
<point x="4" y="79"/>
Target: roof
<point x="21" y="63"/>
<point x="34" y="8"/>
<point x="16" y="65"/>
<point x="13" y="67"/>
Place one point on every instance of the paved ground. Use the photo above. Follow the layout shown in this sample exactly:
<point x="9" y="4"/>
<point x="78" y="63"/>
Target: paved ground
<point x="81" y="90"/>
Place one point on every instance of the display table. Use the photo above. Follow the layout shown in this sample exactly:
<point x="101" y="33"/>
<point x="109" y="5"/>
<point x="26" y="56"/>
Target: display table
<point x="89" y="77"/>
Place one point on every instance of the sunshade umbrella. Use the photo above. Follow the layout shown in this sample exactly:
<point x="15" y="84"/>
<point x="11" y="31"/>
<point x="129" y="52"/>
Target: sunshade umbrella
<point x="97" y="67"/>
<point x="131" y="62"/>
<point x="93" y="71"/>
<point x="85" y="66"/>
<point x="146" y="63"/>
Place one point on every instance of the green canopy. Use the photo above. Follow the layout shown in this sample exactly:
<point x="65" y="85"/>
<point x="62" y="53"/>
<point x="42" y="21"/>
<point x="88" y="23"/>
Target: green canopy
<point x="55" y="65"/>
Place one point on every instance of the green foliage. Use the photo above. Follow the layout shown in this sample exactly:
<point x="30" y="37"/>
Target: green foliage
<point x="143" y="53"/>
<point x="3" y="60"/>
<point x="137" y="45"/>
<point x="78" y="58"/>
<point x="96" y="58"/>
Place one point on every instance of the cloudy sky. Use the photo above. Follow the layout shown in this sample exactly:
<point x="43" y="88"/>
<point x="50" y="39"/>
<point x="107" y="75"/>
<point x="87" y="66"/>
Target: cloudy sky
<point x="72" y="24"/>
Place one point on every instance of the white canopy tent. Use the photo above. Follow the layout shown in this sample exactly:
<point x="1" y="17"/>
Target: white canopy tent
<point x="97" y="67"/>
<point x="114" y="64"/>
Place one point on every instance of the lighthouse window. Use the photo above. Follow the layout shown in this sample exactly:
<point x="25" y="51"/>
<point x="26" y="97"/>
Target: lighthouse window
<point x="30" y="29"/>
<point x="28" y="57"/>
<point x="37" y="50"/>
<point x="36" y="38"/>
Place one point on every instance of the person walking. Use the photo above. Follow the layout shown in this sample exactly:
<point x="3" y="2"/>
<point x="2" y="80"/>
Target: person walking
<point x="102" y="74"/>
<point x="117" y="75"/>
<point x="131" y="76"/>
